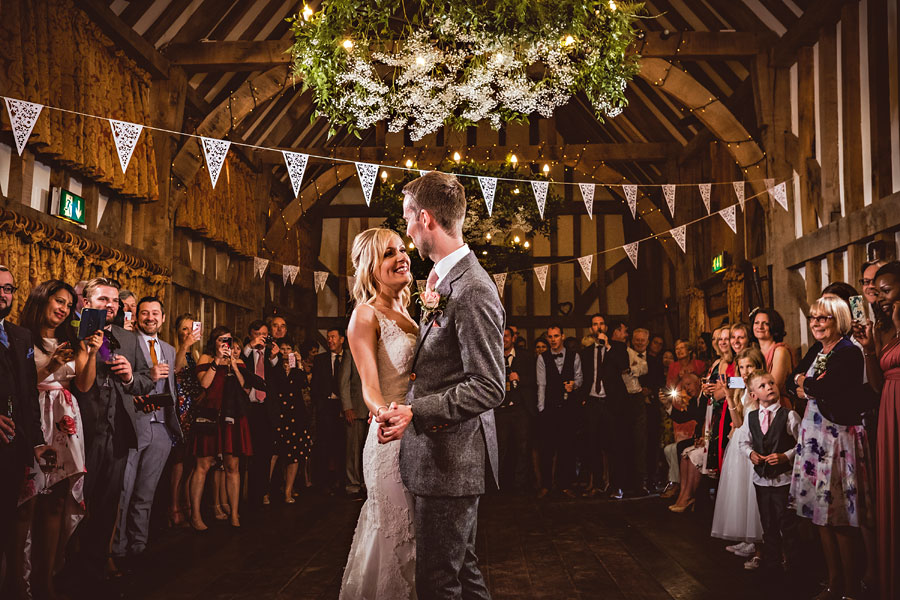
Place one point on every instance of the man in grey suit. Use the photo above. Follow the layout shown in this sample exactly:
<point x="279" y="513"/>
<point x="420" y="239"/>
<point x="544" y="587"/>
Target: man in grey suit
<point x="156" y="427"/>
<point x="356" y="415"/>
<point x="457" y="379"/>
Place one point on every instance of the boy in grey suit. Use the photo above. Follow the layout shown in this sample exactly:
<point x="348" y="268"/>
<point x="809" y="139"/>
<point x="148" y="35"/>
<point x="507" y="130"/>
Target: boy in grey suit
<point x="457" y="379"/>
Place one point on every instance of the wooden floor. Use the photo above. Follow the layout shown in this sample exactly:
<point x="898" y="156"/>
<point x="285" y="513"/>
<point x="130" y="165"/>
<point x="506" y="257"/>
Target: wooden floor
<point x="527" y="548"/>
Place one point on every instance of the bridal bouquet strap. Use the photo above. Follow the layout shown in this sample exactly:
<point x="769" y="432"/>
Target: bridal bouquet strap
<point x="431" y="302"/>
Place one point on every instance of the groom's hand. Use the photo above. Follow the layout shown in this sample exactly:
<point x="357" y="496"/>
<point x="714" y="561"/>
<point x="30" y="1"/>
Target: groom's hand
<point x="394" y="422"/>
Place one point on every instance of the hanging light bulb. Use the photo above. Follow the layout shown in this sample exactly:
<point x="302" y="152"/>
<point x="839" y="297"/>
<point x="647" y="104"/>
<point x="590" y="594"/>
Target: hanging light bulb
<point x="546" y="168"/>
<point x="420" y="61"/>
<point x="527" y="244"/>
<point x="348" y="44"/>
<point x="515" y="190"/>
<point x="612" y="5"/>
<point x="569" y="40"/>
<point x="517" y="239"/>
<point x="412" y="246"/>
<point x="489" y="237"/>
<point x="409" y="163"/>
<point x="456" y="157"/>
<point x="307" y="12"/>
<point x="384" y="175"/>
<point x="500" y="58"/>
<point x="514" y="160"/>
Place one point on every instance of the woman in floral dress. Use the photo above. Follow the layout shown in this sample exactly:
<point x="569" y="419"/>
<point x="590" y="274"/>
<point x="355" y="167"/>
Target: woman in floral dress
<point x="830" y="482"/>
<point x="52" y="502"/>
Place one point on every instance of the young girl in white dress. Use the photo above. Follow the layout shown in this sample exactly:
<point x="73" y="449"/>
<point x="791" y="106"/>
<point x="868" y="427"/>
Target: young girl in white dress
<point x="736" y="515"/>
<point x="382" y="337"/>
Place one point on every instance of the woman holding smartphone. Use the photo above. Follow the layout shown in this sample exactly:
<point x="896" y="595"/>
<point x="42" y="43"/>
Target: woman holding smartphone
<point x="224" y="377"/>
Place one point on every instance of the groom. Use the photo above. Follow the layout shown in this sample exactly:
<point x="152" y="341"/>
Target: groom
<point x="457" y="378"/>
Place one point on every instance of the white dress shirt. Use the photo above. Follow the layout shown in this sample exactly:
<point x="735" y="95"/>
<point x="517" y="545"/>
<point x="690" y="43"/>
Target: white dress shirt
<point x="443" y="266"/>
<point x="792" y="427"/>
<point x="638" y="366"/>
<point x="541" y="372"/>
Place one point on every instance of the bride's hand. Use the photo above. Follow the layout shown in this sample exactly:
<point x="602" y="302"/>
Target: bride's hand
<point x="394" y="422"/>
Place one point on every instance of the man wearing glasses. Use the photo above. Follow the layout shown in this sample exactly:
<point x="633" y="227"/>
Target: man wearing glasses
<point x="21" y="436"/>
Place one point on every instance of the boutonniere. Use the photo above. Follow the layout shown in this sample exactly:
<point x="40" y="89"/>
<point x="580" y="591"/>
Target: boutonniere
<point x="820" y="364"/>
<point x="431" y="303"/>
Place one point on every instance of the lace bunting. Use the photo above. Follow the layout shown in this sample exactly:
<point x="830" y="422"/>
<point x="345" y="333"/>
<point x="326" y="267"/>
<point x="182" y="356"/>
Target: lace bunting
<point x="500" y="280"/>
<point x="541" y="272"/>
<point x="780" y="194"/>
<point x="214" y="151"/>
<point x="678" y="234"/>
<point x="320" y="278"/>
<point x="705" y="191"/>
<point x="126" y="137"/>
<point x="739" y="192"/>
<point x="488" y="190"/>
<point x="259" y="266"/>
<point x="289" y="272"/>
<point x="632" y="251"/>
<point x="368" y="173"/>
<point x="540" y="194"/>
<point x="587" y="265"/>
<point x="296" y="167"/>
<point x="22" y="116"/>
<point x="730" y="217"/>
<point x="669" y="193"/>
<point x="587" y="193"/>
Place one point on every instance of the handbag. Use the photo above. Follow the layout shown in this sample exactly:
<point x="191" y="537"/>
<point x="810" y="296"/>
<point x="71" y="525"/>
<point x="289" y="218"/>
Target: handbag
<point x="206" y="421"/>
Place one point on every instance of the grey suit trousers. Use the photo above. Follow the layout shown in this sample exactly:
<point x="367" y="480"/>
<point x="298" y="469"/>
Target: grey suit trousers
<point x="446" y="565"/>
<point x="142" y="473"/>
<point x="356" y="440"/>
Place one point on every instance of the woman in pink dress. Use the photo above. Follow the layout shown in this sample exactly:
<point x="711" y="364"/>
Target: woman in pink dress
<point x="769" y="331"/>
<point x="883" y="368"/>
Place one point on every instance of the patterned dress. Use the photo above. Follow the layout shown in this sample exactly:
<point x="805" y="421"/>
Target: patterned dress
<point x="830" y="481"/>
<point x="292" y="440"/>
<point x="188" y="390"/>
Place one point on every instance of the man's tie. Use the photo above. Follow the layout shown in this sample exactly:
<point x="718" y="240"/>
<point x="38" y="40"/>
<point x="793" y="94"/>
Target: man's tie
<point x="599" y="387"/>
<point x="432" y="279"/>
<point x="640" y="355"/>
<point x="4" y="339"/>
<point x="261" y="372"/>
<point x="560" y="355"/>
<point x="153" y="357"/>
<point x="764" y="421"/>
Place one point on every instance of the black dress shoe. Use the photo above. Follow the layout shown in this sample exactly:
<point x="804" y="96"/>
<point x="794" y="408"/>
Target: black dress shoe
<point x="619" y="494"/>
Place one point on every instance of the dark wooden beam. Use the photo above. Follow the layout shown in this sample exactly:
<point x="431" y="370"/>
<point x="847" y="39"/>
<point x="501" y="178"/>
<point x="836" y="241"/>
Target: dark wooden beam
<point x="425" y="157"/>
<point x="806" y="31"/>
<point x="351" y="211"/>
<point x="703" y="45"/>
<point x="240" y="55"/>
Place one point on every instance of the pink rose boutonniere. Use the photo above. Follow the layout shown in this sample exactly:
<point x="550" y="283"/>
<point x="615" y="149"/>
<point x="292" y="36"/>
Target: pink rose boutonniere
<point x="67" y="425"/>
<point x="432" y="303"/>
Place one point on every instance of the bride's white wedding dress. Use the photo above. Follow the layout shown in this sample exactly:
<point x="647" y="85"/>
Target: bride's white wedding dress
<point x="382" y="561"/>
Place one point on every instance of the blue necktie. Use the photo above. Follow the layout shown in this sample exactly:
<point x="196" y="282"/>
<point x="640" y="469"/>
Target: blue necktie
<point x="4" y="339"/>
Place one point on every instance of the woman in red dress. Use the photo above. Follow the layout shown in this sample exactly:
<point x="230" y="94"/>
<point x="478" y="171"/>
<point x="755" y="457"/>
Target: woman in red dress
<point x="220" y="422"/>
<point x="881" y="344"/>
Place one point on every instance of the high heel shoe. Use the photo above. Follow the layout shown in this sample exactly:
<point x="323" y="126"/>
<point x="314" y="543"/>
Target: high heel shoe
<point x="176" y="519"/>
<point x="199" y="528"/>
<point x="220" y="514"/>
<point x="680" y="509"/>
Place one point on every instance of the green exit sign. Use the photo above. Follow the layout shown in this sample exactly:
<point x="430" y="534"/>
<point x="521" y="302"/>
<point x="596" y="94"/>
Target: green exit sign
<point x="719" y="263"/>
<point x="71" y="207"/>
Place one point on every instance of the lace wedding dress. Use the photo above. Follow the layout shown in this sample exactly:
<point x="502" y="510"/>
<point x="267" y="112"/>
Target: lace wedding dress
<point x="382" y="561"/>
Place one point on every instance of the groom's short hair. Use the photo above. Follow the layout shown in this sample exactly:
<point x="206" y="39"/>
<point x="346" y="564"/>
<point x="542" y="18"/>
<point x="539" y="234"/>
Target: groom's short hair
<point x="443" y="196"/>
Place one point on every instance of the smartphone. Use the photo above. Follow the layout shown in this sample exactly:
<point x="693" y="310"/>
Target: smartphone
<point x="292" y="360"/>
<point x="858" y="308"/>
<point x="196" y="326"/>
<point x="127" y="315"/>
<point x="736" y="383"/>
<point x="92" y="320"/>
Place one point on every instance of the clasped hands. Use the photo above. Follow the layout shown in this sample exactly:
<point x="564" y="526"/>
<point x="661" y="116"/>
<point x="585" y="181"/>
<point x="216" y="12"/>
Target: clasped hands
<point x="772" y="459"/>
<point x="393" y="421"/>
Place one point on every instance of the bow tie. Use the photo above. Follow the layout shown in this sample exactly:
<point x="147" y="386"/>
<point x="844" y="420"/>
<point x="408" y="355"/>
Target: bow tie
<point x="640" y="355"/>
<point x="560" y="355"/>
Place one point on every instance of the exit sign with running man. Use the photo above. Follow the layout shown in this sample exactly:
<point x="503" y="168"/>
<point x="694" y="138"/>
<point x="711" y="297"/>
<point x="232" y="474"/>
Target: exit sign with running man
<point x="70" y="207"/>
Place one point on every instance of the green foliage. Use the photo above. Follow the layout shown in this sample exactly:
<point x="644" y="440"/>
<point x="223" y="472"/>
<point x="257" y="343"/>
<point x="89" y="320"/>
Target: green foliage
<point x="514" y="213"/>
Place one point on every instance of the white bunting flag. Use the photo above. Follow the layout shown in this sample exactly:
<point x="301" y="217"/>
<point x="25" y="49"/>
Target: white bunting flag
<point x="669" y="193"/>
<point x="500" y="280"/>
<point x="368" y="173"/>
<point x="587" y="264"/>
<point x="320" y="278"/>
<point x="296" y="167"/>
<point x="631" y="197"/>
<point x="541" y="272"/>
<point x="259" y="266"/>
<point x="678" y="234"/>
<point x="587" y="192"/>
<point x="739" y="192"/>
<point x="126" y="137"/>
<point x="540" y="194"/>
<point x="632" y="251"/>
<point x="705" y="190"/>
<point x="488" y="190"/>
<point x="730" y="217"/>
<point x="423" y="172"/>
<point x="214" y="151"/>
<point x="22" y="116"/>
<point x="780" y="193"/>
<point x="421" y="284"/>
<point x="289" y="273"/>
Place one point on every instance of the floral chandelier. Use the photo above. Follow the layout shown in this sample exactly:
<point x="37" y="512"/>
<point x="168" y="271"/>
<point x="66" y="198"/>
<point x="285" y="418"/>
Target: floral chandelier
<point x="424" y="65"/>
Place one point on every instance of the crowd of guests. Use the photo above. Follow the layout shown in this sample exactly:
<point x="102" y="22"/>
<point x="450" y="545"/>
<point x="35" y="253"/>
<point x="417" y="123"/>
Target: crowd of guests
<point x="93" y="421"/>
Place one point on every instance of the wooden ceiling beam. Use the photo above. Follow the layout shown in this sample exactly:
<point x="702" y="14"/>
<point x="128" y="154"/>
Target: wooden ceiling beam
<point x="337" y="211"/>
<point x="569" y="154"/>
<point x="805" y="31"/>
<point x="238" y="55"/>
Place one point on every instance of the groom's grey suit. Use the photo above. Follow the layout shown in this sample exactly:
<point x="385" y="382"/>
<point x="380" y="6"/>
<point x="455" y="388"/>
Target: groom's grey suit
<point x="457" y="378"/>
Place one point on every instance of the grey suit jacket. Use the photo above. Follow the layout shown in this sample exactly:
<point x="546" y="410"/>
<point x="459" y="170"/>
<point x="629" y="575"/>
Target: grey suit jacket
<point x="351" y="387"/>
<point x="141" y="419"/>
<point x="457" y="378"/>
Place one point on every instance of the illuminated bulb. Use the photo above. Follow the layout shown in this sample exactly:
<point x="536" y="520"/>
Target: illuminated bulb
<point x="516" y="191"/>
<point x="348" y="44"/>
<point x="409" y="163"/>
<point x="527" y="244"/>
<point x="384" y="175"/>
<point x="489" y="237"/>
<point x="514" y="159"/>
<point x="412" y="246"/>
<point x="420" y="61"/>
<point x="612" y="5"/>
<point x="484" y="252"/>
<point x="546" y="168"/>
<point x="500" y="57"/>
<point x="516" y="239"/>
<point x="307" y="13"/>
<point x="569" y="40"/>
<point x="456" y="156"/>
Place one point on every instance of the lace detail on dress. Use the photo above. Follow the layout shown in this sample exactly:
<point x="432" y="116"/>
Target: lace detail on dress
<point x="381" y="564"/>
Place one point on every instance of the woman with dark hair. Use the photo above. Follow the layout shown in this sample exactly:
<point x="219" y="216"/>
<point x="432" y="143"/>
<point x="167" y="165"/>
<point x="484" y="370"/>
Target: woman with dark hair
<point x="881" y="346"/>
<point x="220" y="425"/>
<point x="52" y="500"/>
<point x="841" y="290"/>
<point x="188" y="391"/>
<point x="292" y="440"/>
<point x="768" y="329"/>
<point x="540" y="346"/>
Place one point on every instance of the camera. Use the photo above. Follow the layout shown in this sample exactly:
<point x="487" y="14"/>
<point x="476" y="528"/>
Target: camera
<point x="269" y="340"/>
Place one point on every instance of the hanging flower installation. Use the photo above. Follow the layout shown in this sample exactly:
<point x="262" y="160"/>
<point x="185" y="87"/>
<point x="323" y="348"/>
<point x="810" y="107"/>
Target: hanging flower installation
<point x="421" y="66"/>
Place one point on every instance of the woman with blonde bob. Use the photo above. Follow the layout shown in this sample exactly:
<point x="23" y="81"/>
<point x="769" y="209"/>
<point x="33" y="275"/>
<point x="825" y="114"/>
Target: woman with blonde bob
<point x="382" y="339"/>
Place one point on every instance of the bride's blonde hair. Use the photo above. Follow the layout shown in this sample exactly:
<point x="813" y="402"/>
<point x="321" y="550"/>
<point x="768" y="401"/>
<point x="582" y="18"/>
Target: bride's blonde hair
<point x="367" y="255"/>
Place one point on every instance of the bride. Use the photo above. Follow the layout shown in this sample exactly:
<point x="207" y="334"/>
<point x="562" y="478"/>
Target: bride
<point x="382" y="339"/>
